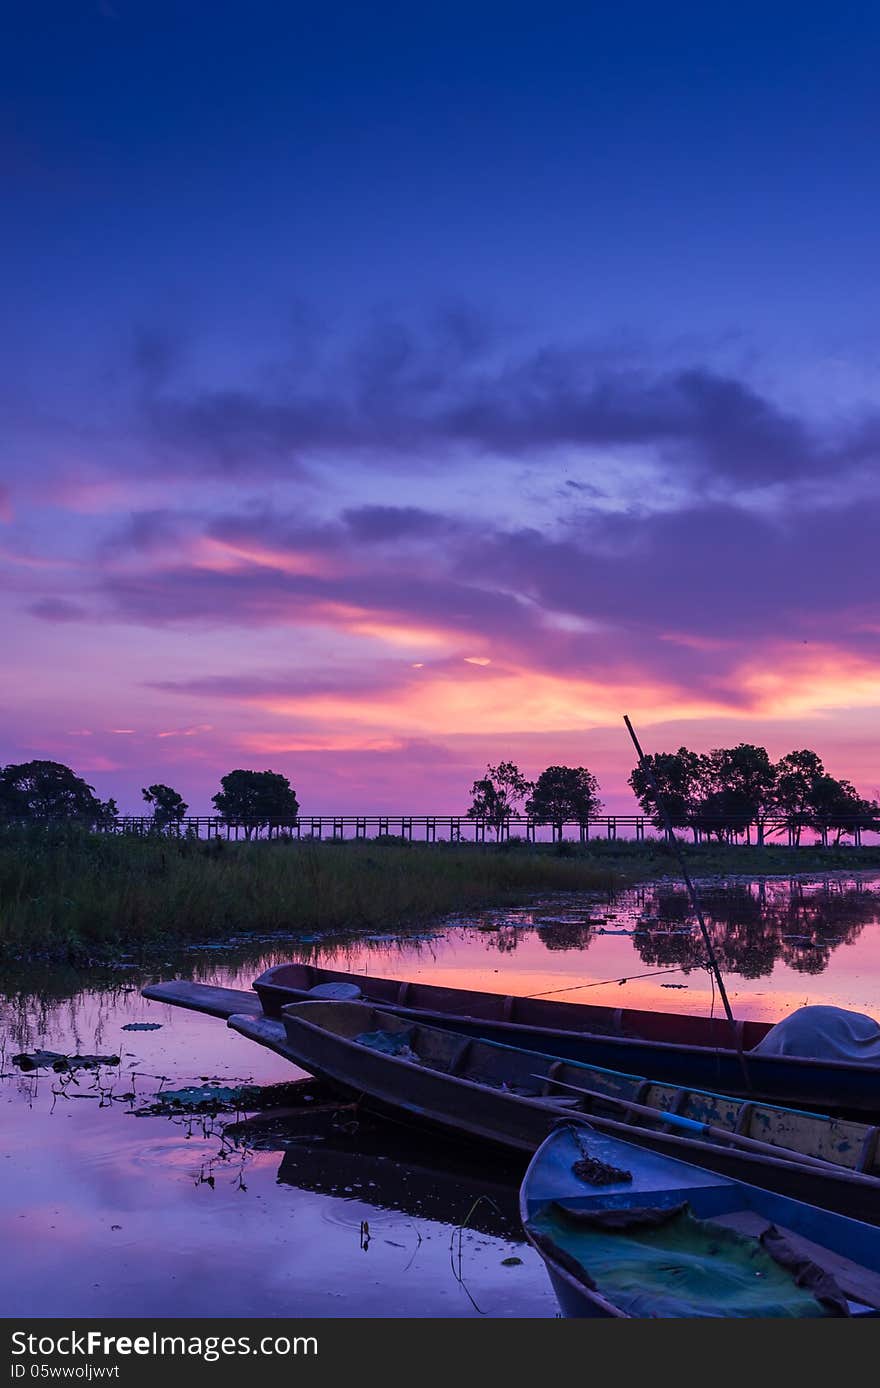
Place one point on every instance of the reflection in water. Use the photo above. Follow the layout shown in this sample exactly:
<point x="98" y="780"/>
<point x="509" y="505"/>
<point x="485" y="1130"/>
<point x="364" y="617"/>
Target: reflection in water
<point x="755" y="925"/>
<point x="344" y="1151"/>
<point x="105" y="1213"/>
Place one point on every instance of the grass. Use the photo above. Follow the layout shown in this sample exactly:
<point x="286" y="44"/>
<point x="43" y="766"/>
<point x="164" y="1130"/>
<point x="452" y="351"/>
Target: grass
<point x="70" y="895"/>
<point x="67" y="894"/>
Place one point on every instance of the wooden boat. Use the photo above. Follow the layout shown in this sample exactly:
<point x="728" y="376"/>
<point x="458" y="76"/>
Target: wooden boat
<point x="844" y="1142"/>
<point x="702" y="1052"/>
<point x="511" y="1097"/>
<point x="626" y="1232"/>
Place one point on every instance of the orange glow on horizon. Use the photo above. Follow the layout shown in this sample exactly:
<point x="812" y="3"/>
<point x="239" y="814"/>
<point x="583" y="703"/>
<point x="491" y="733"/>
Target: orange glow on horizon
<point x="805" y="682"/>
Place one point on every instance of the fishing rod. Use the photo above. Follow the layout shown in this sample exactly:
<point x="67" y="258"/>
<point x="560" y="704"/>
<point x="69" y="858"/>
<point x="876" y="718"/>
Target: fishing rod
<point x="692" y="891"/>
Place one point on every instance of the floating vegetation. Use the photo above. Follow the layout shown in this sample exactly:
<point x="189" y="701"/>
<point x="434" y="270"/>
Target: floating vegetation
<point x="55" y="1060"/>
<point x="225" y="1098"/>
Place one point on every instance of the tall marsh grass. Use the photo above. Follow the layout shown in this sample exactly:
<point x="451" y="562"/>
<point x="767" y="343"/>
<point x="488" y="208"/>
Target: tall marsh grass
<point x="66" y="893"/>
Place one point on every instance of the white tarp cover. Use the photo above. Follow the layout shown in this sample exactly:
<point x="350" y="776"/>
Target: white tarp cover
<point x="347" y="992"/>
<point x="824" y="1033"/>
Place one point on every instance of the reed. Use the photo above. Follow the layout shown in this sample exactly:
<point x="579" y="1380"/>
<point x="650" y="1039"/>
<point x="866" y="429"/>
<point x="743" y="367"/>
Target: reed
<point x="65" y="893"/>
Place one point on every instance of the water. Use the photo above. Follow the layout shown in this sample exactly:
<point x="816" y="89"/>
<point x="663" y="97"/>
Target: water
<point x="106" y="1213"/>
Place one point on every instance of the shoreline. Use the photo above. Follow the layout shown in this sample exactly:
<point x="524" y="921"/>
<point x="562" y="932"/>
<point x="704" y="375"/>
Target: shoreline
<point x="83" y="900"/>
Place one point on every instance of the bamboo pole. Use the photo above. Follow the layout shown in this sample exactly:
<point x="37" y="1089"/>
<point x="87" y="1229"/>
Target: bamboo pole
<point x="692" y="891"/>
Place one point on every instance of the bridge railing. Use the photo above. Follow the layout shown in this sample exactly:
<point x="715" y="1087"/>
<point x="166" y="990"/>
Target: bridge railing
<point x="465" y="829"/>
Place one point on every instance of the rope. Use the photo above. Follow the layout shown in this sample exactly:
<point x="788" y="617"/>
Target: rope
<point x="602" y="982"/>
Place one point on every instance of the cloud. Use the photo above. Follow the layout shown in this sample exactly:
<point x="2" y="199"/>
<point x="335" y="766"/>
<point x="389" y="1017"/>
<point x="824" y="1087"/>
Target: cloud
<point x="58" y="610"/>
<point x="453" y="389"/>
<point x="714" y="571"/>
<point x="145" y="532"/>
<point x="693" y="604"/>
<point x="380" y="524"/>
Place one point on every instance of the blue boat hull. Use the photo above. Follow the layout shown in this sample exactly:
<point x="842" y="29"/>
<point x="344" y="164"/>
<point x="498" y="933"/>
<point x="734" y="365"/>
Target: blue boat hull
<point x="848" y="1249"/>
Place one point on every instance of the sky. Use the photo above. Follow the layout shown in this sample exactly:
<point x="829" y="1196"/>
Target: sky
<point x="390" y="390"/>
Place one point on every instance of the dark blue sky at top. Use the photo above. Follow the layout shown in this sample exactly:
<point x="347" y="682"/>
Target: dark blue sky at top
<point x="584" y="169"/>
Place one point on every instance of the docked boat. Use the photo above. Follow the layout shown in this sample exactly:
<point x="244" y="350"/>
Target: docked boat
<point x="846" y="1143"/>
<point x="703" y="1052"/>
<point x="512" y="1098"/>
<point x="626" y="1232"/>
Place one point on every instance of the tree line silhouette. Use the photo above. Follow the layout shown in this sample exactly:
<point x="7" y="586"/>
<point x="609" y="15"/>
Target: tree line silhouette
<point x="43" y="792"/>
<point x="722" y="793"/>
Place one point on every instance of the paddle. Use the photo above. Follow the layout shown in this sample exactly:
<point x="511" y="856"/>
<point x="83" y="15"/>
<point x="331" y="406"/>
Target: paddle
<point x="693" y="1126"/>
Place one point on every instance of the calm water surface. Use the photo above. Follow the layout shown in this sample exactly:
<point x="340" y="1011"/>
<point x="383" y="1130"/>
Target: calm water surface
<point x="107" y="1213"/>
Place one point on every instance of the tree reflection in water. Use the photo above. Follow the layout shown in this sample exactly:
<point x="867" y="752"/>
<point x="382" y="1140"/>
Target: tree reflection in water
<point x="754" y="925"/>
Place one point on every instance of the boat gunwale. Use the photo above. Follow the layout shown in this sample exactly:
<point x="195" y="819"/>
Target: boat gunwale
<point x="617" y="1128"/>
<point x="750" y="1057"/>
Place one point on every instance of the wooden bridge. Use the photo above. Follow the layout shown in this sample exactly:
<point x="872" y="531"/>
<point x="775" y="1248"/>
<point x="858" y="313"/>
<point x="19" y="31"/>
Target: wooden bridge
<point x="464" y="829"/>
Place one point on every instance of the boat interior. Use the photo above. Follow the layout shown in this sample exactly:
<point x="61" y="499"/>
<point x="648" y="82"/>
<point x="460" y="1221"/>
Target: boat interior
<point x="592" y="1089"/>
<point x="556" y="1198"/>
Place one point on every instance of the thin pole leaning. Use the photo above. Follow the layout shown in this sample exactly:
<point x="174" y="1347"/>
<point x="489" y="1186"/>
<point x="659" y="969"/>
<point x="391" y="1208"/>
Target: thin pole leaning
<point x="692" y="891"/>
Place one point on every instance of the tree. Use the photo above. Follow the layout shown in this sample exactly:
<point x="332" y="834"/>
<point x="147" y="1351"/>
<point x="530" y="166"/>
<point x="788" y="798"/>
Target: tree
<point x="738" y="788"/>
<point x="837" y="805"/>
<point x="797" y="778"/>
<point x="108" y="814"/>
<point x="679" y="776"/>
<point x="47" y="790"/>
<point x="169" y="807"/>
<point x="564" y="793"/>
<point x="498" y="794"/>
<point x="254" y="798"/>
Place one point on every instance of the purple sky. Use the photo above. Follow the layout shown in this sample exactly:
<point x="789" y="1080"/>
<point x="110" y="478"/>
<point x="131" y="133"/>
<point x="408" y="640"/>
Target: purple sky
<point x="383" y="395"/>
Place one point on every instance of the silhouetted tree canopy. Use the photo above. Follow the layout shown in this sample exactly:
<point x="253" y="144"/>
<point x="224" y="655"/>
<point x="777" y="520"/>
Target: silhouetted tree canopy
<point x="738" y="784"/>
<point x="254" y="798"/>
<point x="678" y="777"/>
<point x="835" y="804"/>
<point x="797" y="775"/>
<point x="564" y="793"/>
<point x="169" y="806"/>
<point x="498" y="794"/>
<point x="48" y="790"/>
<point x="730" y="788"/>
